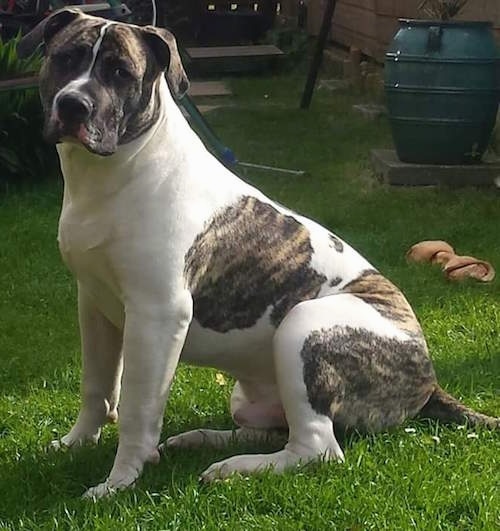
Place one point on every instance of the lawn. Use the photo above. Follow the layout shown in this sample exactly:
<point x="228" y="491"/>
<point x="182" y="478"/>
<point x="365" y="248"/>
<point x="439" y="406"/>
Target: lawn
<point x="419" y="476"/>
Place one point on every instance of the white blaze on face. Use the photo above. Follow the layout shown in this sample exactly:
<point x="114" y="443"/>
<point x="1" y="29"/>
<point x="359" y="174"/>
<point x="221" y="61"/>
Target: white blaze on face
<point x="76" y="84"/>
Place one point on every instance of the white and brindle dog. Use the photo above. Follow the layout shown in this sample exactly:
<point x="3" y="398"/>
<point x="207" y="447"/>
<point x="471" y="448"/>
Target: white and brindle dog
<point x="176" y="259"/>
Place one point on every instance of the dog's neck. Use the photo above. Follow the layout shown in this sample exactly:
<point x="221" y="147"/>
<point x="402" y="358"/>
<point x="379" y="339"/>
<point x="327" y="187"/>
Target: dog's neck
<point x="161" y="152"/>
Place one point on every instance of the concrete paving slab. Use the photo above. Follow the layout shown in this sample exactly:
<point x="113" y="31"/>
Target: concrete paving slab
<point x="392" y="171"/>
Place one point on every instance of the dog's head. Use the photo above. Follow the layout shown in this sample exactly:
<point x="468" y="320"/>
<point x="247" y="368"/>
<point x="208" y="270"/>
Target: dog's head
<point x="99" y="83"/>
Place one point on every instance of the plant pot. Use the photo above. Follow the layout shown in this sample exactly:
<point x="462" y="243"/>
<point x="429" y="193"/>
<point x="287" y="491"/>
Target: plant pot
<point x="442" y="85"/>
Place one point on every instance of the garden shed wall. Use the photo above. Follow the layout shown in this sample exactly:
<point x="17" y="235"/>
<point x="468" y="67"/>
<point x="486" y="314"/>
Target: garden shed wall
<point x="370" y="24"/>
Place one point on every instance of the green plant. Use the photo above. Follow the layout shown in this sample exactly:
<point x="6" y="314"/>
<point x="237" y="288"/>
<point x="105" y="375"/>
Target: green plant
<point x="11" y="64"/>
<point x="23" y="153"/>
<point x="442" y="9"/>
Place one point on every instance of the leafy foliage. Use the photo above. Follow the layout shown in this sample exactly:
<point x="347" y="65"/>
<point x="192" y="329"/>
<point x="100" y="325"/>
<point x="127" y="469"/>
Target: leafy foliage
<point x="23" y="153"/>
<point x="11" y="66"/>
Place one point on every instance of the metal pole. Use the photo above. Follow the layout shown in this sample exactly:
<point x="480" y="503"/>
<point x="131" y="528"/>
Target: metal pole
<point x="318" y="54"/>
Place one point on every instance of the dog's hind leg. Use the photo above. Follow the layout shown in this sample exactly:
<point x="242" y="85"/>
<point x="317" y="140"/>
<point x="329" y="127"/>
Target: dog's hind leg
<point x="221" y="438"/>
<point x="339" y="362"/>
<point x="311" y="434"/>
<point x="101" y="367"/>
<point x="255" y="408"/>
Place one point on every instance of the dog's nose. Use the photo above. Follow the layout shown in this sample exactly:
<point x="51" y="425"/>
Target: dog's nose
<point x="74" y="108"/>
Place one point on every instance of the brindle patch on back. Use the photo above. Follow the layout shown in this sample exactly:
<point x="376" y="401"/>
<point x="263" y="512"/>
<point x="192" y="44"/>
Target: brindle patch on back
<point x="249" y="258"/>
<point x="336" y="243"/>
<point x="363" y="380"/>
<point x="386" y="298"/>
<point x="335" y="281"/>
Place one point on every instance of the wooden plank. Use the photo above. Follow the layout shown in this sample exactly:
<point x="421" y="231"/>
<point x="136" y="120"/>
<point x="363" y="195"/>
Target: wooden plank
<point x="355" y="19"/>
<point x="368" y="45"/>
<point x="386" y="29"/>
<point x="209" y="88"/>
<point x="196" y="89"/>
<point x="19" y="83"/>
<point x="482" y="10"/>
<point x="354" y="24"/>
<point x="398" y="8"/>
<point x="315" y="10"/>
<point x="221" y="52"/>
<point x="362" y="4"/>
<point x="289" y="8"/>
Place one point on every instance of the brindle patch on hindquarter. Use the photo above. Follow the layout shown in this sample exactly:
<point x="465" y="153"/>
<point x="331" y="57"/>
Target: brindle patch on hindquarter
<point x="250" y="257"/>
<point x="386" y="298"/>
<point x="363" y="380"/>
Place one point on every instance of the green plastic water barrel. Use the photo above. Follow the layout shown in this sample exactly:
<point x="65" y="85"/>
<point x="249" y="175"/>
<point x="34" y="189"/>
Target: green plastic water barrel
<point x="442" y="86"/>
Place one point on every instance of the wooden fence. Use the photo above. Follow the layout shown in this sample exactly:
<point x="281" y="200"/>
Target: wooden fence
<point x="370" y="24"/>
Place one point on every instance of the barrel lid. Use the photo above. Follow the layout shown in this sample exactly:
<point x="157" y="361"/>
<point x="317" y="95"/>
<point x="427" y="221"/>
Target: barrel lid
<point x="444" y="23"/>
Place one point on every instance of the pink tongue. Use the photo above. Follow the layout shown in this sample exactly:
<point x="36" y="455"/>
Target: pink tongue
<point x="82" y="133"/>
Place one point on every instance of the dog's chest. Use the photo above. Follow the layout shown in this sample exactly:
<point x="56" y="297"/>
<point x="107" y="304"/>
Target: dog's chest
<point x="84" y="246"/>
<point x="81" y="238"/>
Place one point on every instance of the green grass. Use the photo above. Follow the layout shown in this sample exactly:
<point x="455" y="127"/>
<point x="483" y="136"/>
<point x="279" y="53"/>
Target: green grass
<point x="396" y="480"/>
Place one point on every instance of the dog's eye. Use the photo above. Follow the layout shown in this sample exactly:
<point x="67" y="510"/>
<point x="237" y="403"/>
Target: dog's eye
<point x="122" y="74"/>
<point x="65" y="61"/>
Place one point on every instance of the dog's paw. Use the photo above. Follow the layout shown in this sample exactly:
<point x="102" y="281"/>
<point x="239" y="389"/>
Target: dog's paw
<point x="123" y="476"/>
<point x="276" y="462"/>
<point x="103" y="490"/>
<point x="241" y="464"/>
<point x="57" y="445"/>
<point x="75" y="441"/>
<point x="76" y="438"/>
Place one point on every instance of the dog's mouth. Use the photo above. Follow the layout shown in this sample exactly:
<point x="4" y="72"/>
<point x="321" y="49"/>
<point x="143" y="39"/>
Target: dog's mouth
<point x="84" y="134"/>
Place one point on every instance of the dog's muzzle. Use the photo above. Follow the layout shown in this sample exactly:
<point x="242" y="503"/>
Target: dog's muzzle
<point x="72" y="113"/>
<point x="74" y="109"/>
<point x="71" y="117"/>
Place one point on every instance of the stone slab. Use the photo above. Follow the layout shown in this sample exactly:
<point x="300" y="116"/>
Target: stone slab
<point x="392" y="171"/>
<point x="370" y="111"/>
<point x="333" y="84"/>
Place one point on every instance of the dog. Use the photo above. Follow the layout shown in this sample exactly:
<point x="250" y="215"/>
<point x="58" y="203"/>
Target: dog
<point x="176" y="258"/>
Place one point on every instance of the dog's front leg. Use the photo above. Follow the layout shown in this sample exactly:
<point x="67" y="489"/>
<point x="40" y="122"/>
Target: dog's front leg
<point x="152" y="344"/>
<point x="101" y="373"/>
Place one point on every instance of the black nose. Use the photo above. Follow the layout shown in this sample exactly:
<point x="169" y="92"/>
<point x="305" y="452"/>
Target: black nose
<point x="74" y="108"/>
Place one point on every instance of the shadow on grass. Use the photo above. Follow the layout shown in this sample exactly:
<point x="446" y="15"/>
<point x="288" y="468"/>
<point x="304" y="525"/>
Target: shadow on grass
<point x="40" y="481"/>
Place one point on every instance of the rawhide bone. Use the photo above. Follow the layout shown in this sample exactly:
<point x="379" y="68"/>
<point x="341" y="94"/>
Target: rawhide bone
<point x="455" y="267"/>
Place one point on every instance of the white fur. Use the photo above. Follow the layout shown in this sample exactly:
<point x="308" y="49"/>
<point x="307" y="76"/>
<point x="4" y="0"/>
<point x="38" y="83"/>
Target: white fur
<point x="126" y="223"/>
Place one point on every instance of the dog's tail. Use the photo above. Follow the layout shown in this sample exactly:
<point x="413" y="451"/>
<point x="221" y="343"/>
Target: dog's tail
<point x="444" y="407"/>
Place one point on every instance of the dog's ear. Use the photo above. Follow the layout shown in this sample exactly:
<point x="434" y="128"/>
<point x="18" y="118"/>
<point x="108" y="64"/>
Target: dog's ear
<point x="46" y="30"/>
<point x="164" y="47"/>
